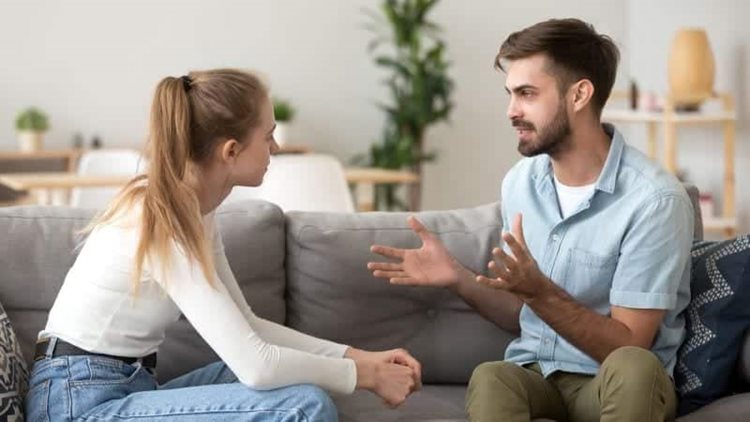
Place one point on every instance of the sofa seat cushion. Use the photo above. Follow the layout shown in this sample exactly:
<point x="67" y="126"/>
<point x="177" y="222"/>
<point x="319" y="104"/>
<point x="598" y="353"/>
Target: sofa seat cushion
<point x="716" y="320"/>
<point x="14" y="375"/>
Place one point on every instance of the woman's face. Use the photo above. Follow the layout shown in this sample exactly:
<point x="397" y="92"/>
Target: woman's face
<point x="255" y="151"/>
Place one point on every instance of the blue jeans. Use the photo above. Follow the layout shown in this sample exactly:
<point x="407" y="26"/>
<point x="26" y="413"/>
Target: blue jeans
<point x="92" y="388"/>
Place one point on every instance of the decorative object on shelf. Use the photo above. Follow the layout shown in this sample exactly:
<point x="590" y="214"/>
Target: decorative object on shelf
<point x="284" y="114"/>
<point x="96" y="142"/>
<point x="31" y="124"/>
<point x="706" y="203"/>
<point x="691" y="69"/>
<point x="649" y="101"/>
<point x="419" y="88"/>
<point x="77" y="141"/>
<point x="633" y="95"/>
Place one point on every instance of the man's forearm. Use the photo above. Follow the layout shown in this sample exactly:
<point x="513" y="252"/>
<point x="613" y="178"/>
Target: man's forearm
<point x="595" y="334"/>
<point x="499" y="307"/>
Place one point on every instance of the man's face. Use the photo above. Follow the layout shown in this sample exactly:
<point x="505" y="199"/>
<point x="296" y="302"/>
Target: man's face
<point x="536" y="110"/>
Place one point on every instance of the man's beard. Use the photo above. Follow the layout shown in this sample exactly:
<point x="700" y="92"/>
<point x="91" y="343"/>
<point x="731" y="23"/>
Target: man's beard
<point x="551" y="139"/>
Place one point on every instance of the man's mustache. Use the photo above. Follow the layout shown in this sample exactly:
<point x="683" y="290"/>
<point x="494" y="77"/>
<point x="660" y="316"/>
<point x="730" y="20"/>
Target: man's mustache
<point x="522" y="124"/>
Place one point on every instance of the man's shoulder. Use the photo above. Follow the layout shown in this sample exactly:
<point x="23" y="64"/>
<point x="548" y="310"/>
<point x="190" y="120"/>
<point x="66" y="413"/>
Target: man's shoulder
<point x="649" y="179"/>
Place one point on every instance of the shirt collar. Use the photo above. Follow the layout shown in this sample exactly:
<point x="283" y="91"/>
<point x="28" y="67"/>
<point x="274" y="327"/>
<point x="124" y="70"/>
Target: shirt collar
<point x="608" y="176"/>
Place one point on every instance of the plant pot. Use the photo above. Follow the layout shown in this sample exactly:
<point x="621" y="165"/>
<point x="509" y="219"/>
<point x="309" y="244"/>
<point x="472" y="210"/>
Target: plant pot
<point x="281" y="133"/>
<point x="30" y="141"/>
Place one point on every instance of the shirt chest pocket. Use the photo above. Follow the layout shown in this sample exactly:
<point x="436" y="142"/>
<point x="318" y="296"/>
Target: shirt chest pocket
<point x="588" y="276"/>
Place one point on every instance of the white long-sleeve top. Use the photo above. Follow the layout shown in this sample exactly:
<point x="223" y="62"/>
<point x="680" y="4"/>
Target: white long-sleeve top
<point x="96" y="310"/>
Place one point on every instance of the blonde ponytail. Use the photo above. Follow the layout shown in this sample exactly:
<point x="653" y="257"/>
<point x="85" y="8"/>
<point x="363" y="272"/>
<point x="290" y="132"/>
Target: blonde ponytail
<point x="171" y="211"/>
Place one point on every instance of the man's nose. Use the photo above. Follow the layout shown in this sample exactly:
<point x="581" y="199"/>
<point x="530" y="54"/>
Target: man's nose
<point x="513" y="112"/>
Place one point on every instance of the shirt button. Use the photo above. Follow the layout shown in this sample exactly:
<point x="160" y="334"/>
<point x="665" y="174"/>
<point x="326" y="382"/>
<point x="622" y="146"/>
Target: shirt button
<point x="546" y="341"/>
<point x="555" y="237"/>
<point x="431" y="313"/>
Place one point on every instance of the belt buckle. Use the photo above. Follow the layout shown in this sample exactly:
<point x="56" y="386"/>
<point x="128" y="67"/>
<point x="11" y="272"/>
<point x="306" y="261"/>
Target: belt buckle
<point x="48" y="345"/>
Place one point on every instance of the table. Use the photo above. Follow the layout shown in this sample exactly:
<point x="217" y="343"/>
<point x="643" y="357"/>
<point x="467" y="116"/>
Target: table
<point x="364" y="179"/>
<point x="51" y="188"/>
<point x="69" y="156"/>
<point x="294" y="149"/>
<point x="670" y="120"/>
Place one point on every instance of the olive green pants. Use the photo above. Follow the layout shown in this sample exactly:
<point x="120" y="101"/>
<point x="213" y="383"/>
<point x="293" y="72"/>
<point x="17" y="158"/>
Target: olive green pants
<point x="631" y="385"/>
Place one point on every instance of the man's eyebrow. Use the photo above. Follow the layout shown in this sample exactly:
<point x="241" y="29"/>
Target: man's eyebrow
<point x="520" y="88"/>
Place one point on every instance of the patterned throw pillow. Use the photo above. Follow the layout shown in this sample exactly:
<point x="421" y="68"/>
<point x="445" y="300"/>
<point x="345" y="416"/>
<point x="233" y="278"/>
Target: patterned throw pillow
<point x="716" y="319"/>
<point x="13" y="373"/>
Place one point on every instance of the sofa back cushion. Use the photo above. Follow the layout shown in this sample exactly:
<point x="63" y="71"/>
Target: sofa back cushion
<point x="38" y="248"/>
<point x="331" y="294"/>
<point x="717" y="319"/>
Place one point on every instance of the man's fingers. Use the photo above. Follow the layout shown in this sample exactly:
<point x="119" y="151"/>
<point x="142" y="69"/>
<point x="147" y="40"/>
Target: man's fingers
<point x="387" y="251"/>
<point x="418" y="228"/>
<point x="503" y="259"/>
<point x="518" y="229"/>
<point x="404" y="281"/>
<point x="385" y="266"/>
<point x="498" y="270"/>
<point x="495" y="283"/>
<point x="519" y="252"/>
<point x="389" y="274"/>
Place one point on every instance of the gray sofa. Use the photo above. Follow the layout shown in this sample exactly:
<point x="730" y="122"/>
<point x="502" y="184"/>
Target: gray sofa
<point x="307" y="270"/>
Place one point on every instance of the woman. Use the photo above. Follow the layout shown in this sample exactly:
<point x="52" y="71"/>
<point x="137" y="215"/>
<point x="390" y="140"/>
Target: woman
<point x="155" y="253"/>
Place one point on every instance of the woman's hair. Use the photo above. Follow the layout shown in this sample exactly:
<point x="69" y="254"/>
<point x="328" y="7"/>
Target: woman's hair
<point x="190" y="115"/>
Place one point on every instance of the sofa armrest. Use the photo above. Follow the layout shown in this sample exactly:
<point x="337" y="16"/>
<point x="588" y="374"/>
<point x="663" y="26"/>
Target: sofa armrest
<point x="692" y="191"/>
<point x="743" y="362"/>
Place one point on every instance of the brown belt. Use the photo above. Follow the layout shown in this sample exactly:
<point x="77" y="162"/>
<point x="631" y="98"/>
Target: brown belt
<point x="62" y="348"/>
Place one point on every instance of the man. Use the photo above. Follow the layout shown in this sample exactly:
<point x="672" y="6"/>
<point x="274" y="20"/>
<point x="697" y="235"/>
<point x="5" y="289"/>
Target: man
<point x="595" y="268"/>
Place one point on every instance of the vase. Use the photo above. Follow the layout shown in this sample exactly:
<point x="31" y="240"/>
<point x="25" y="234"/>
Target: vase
<point x="30" y="141"/>
<point x="280" y="133"/>
<point x="691" y="69"/>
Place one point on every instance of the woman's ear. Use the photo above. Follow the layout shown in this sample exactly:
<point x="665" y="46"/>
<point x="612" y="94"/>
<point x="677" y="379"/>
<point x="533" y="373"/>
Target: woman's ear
<point x="229" y="150"/>
<point x="583" y="91"/>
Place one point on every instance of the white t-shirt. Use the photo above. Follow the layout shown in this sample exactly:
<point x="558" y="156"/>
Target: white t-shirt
<point x="571" y="197"/>
<point x="95" y="310"/>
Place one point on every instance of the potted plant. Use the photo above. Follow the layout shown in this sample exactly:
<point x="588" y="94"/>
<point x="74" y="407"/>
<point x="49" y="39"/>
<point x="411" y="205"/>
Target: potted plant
<point x="284" y="114"/>
<point x="419" y="87"/>
<point x="31" y="125"/>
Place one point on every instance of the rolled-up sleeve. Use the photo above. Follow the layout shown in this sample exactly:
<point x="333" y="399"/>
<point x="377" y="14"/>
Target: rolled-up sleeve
<point x="655" y="253"/>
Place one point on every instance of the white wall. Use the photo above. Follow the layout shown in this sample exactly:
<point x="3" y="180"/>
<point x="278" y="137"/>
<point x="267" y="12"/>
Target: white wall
<point x="652" y="24"/>
<point x="92" y="65"/>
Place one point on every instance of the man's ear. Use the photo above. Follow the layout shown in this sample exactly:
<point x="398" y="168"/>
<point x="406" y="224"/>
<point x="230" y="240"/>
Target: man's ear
<point x="583" y="92"/>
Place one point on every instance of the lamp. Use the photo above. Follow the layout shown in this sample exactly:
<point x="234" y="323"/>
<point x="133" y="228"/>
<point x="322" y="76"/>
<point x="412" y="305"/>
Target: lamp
<point x="691" y="69"/>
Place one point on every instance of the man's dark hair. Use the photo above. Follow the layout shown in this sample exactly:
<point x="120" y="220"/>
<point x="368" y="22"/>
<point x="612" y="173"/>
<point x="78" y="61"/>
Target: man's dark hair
<point x="576" y="51"/>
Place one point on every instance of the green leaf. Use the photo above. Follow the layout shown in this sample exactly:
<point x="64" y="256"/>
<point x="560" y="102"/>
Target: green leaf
<point x="32" y="119"/>
<point x="419" y="86"/>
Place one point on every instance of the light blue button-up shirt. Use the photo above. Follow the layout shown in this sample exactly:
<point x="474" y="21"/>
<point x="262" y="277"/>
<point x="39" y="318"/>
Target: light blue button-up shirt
<point x="627" y="245"/>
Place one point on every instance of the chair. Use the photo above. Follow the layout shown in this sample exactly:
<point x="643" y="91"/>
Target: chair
<point x="304" y="182"/>
<point x="105" y="162"/>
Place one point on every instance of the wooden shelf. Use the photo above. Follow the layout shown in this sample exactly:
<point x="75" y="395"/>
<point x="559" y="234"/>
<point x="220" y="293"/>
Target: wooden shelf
<point x="719" y="224"/>
<point x="294" y="149"/>
<point x="633" y="116"/>
<point x="670" y="119"/>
